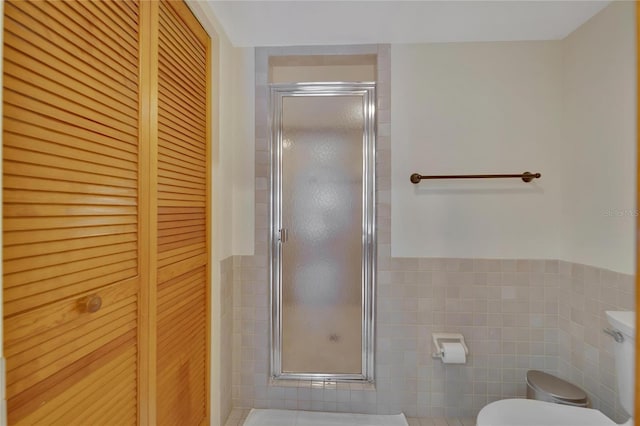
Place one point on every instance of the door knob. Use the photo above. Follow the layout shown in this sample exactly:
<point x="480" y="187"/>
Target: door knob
<point x="90" y="303"/>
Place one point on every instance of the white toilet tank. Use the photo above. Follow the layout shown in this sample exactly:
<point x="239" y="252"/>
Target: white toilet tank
<point x="625" y="323"/>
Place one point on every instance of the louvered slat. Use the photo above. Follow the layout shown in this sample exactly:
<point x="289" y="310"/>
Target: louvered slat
<point x="20" y="121"/>
<point x="45" y="248"/>
<point x="38" y="17"/>
<point x="54" y="103"/>
<point x="39" y="45"/>
<point x="177" y="289"/>
<point x="64" y="84"/>
<point x="175" y="101"/>
<point x="183" y="82"/>
<point x="175" y="54"/>
<point x="171" y="173"/>
<point x="30" y="169"/>
<point x="116" y="36"/>
<point x="181" y="127"/>
<point x="187" y="40"/>
<point x="181" y="252"/>
<point x="169" y="215"/>
<point x="182" y="111"/>
<point x="36" y="262"/>
<point x="63" y="166"/>
<point x="51" y="235"/>
<point x="69" y="113"/>
<point x="172" y="156"/>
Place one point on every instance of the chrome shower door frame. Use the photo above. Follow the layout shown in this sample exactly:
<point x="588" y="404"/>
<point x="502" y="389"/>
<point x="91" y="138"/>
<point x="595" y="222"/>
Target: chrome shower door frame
<point x="368" y="94"/>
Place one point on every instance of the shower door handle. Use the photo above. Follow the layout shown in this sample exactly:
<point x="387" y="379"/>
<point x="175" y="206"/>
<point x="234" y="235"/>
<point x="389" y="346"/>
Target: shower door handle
<point x="284" y="235"/>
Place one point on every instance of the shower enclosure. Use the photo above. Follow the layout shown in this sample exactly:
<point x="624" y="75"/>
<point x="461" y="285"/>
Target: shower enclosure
<point x="322" y="236"/>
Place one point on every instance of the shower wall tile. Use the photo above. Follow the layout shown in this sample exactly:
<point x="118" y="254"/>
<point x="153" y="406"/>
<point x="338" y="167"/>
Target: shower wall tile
<point x="586" y="353"/>
<point x="515" y="315"/>
<point x="507" y="311"/>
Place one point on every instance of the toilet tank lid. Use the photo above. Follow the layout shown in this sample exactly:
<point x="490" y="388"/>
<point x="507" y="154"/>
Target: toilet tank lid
<point x="555" y="387"/>
<point x="624" y="321"/>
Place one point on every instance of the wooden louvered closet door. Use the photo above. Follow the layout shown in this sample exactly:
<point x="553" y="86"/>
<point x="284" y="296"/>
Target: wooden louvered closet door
<point x="182" y="291"/>
<point x="71" y="211"/>
<point x="105" y="213"/>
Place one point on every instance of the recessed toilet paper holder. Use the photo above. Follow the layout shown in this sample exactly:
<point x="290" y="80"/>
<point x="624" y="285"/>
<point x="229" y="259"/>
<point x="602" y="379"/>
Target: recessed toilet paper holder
<point x="440" y="338"/>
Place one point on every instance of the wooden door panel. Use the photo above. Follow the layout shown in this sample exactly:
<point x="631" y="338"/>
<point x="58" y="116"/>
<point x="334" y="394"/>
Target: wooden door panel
<point x="182" y="244"/>
<point x="71" y="211"/>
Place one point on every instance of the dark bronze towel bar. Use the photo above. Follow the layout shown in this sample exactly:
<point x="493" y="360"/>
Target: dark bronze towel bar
<point x="526" y="177"/>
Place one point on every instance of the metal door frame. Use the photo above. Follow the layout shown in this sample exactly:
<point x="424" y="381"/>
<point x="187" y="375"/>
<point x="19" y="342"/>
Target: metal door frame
<point x="277" y="93"/>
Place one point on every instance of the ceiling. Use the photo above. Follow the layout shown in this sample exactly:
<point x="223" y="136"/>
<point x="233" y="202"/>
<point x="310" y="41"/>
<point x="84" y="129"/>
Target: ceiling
<point x="313" y="22"/>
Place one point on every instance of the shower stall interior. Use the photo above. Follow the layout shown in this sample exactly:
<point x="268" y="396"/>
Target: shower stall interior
<point x="322" y="234"/>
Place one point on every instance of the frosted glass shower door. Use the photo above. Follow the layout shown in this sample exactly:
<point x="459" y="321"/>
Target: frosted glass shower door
<point x="323" y="233"/>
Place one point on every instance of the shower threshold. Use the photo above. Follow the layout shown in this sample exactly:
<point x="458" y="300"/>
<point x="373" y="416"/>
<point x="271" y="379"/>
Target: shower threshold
<point x="268" y="417"/>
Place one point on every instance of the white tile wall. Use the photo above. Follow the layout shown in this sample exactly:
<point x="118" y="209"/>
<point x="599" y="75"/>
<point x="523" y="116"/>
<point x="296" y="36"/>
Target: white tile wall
<point x="515" y="314"/>
<point x="586" y="353"/>
<point x="507" y="310"/>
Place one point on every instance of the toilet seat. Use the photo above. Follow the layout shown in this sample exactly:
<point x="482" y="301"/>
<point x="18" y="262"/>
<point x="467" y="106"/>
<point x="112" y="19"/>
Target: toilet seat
<point x="529" y="412"/>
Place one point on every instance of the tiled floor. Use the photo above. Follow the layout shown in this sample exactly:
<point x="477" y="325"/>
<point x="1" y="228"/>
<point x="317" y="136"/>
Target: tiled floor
<point x="238" y="416"/>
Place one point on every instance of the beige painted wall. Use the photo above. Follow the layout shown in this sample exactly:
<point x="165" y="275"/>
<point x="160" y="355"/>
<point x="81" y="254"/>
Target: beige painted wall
<point x="224" y="89"/>
<point x="468" y="108"/>
<point x="555" y="107"/>
<point x="563" y="108"/>
<point x="598" y="147"/>
<point x="243" y="212"/>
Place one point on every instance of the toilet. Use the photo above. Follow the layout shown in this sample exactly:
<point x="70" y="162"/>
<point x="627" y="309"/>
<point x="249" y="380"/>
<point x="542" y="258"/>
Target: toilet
<point x="530" y="412"/>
